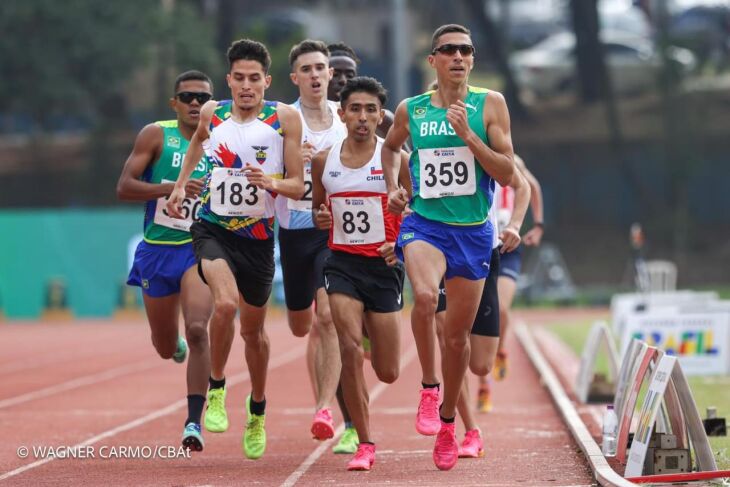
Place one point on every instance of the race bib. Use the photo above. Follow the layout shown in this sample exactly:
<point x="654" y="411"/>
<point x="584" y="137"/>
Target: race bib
<point x="446" y="172"/>
<point x="357" y="220"/>
<point x="304" y="204"/>
<point x="190" y="207"/>
<point x="232" y="195"/>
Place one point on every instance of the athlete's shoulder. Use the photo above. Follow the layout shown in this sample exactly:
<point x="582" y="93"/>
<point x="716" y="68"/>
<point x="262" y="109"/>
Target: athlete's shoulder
<point x="220" y="111"/>
<point x="152" y="133"/>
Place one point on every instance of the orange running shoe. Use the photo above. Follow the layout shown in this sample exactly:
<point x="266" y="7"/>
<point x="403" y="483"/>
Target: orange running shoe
<point x="484" y="399"/>
<point x="500" y="366"/>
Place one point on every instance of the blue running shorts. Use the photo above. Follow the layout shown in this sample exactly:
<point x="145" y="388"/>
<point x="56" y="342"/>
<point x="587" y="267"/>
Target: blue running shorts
<point x="466" y="248"/>
<point x="158" y="269"/>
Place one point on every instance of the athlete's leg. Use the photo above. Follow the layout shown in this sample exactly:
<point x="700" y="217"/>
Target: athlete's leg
<point x="483" y="351"/>
<point x="162" y="315"/>
<point x="463" y="297"/>
<point x="312" y="346"/>
<point x="257" y="347"/>
<point x="327" y="357"/>
<point x="222" y="285"/>
<point x="506" y="288"/>
<point x="425" y="265"/>
<point x="300" y="321"/>
<point x="197" y="306"/>
<point x="347" y="314"/>
<point x="384" y="332"/>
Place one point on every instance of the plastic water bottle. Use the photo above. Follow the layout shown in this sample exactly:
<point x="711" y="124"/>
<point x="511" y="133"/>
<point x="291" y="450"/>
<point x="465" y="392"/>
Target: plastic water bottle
<point x="610" y="426"/>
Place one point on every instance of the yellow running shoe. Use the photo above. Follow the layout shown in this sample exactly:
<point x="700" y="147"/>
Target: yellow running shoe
<point x="254" y="437"/>
<point x="484" y="399"/>
<point x="348" y="442"/>
<point x="500" y="366"/>
<point x="216" y="417"/>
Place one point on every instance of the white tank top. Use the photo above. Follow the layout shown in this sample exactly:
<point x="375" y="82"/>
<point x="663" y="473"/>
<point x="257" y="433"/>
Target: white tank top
<point x="297" y="214"/>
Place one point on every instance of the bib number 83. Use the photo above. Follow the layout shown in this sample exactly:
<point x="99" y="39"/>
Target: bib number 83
<point x="349" y="225"/>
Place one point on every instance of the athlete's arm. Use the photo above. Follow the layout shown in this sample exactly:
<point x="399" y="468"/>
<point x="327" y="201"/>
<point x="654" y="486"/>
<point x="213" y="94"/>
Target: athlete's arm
<point x="510" y="235"/>
<point x="496" y="158"/>
<point x="191" y="159"/>
<point x="292" y="186"/>
<point x="146" y="150"/>
<point x="534" y="235"/>
<point x="397" y="135"/>
<point x="404" y="174"/>
<point x="320" y="214"/>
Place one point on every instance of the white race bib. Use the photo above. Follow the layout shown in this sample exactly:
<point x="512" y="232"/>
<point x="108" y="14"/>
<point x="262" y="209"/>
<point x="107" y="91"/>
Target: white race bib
<point x="190" y="207"/>
<point x="304" y="204"/>
<point x="357" y="220"/>
<point x="232" y="195"/>
<point x="446" y="172"/>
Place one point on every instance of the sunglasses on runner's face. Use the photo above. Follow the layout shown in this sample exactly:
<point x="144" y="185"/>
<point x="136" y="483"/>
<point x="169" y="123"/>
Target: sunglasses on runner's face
<point x="187" y="97"/>
<point x="450" y="49"/>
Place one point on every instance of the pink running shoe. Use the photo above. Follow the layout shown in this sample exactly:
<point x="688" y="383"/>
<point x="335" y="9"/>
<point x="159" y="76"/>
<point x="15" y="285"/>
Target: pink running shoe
<point x="472" y="446"/>
<point x="364" y="458"/>
<point x="428" y="421"/>
<point x="446" y="449"/>
<point x="323" y="427"/>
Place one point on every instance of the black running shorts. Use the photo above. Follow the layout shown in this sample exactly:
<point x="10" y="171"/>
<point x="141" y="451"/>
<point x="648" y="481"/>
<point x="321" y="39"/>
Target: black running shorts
<point x="251" y="261"/>
<point x="368" y="279"/>
<point x="303" y="253"/>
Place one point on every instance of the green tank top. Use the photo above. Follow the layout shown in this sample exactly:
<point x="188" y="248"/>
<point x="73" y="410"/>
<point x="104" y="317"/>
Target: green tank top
<point x="449" y="184"/>
<point x="159" y="228"/>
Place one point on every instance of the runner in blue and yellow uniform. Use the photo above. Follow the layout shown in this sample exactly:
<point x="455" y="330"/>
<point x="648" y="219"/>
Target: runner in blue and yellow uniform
<point x="164" y="263"/>
<point x="461" y="145"/>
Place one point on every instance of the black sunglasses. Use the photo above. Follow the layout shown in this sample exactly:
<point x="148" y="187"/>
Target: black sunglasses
<point x="187" y="97"/>
<point x="450" y="49"/>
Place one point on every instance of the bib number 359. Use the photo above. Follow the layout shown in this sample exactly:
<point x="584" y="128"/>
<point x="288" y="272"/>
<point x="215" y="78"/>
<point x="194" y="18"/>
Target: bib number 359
<point x="446" y="172"/>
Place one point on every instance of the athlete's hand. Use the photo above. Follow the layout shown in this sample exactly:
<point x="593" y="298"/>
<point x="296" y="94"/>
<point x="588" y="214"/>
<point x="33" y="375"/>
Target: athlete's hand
<point x="387" y="252"/>
<point x="194" y="187"/>
<point x="174" y="202"/>
<point x="258" y="178"/>
<point x="308" y="152"/>
<point x="323" y="220"/>
<point x="510" y="238"/>
<point x="397" y="201"/>
<point x="407" y="211"/>
<point x="534" y="236"/>
<point x="457" y="117"/>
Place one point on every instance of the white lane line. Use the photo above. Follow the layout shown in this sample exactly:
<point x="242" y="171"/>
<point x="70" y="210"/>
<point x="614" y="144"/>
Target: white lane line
<point x="79" y="382"/>
<point x="314" y="456"/>
<point x="284" y="359"/>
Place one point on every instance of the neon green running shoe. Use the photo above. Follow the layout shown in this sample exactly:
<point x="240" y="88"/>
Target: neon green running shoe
<point x="348" y="442"/>
<point x="182" y="350"/>
<point x="216" y="417"/>
<point x="254" y="436"/>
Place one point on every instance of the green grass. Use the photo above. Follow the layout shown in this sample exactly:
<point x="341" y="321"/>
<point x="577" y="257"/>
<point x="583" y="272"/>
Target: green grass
<point x="712" y="390"/>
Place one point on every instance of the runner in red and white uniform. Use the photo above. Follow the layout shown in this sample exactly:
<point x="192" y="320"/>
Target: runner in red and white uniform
<point x="363" y="278"/>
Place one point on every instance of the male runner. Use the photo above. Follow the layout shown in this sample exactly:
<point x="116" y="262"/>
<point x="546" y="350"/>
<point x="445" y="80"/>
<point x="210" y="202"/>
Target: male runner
<point x="509" y="271"/>
<point x="303" y="247"/>
<point x="254" y="148"/>
<point x="164" y="260"/>
<point x="363" y="278"/>
<point x="462" y="143"/>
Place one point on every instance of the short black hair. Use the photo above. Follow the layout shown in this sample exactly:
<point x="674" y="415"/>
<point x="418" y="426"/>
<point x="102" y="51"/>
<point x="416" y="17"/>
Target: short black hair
<point x="305" y="47"/>
<point x="250" y="50"/>
<point x="192" y="75"/>
<point x="366" y="84"/>
<point x="447" y="29"/>
<point x="342" y="49"/>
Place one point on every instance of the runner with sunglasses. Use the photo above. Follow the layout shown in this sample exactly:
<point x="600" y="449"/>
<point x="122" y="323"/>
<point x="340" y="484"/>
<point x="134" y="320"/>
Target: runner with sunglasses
<point x="462" y="144"/>
<point x="254" y="146"/>
<point x="303" y="247"/>
<point x="164" y="263"/>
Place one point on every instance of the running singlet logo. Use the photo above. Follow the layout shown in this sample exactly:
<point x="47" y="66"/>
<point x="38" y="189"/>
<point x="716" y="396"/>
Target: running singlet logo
<point x="260" y="153"/>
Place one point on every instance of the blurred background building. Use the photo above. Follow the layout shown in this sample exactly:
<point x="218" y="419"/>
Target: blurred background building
<point x="619" y="107"/>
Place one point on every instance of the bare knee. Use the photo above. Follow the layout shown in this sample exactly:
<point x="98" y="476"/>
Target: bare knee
<point x="299" y="328"/>
<point x="426" y="300"/>
<point x="254" y="336"/>
<point x="387" y="374"/>
<point x="481" y="368"/>
<point x="456" y="340"/>
<point x="225" y="308"/>
<point x="197" y="335"/>
<point x="351" y="353"/>
<point x="165" y="348"/>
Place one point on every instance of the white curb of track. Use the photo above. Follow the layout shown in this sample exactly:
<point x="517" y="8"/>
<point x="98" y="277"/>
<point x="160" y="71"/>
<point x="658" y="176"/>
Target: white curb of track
<point x="603" y="472"/>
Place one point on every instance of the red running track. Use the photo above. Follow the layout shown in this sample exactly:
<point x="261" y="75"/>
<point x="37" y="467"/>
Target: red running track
<point x="100" y="384"/>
